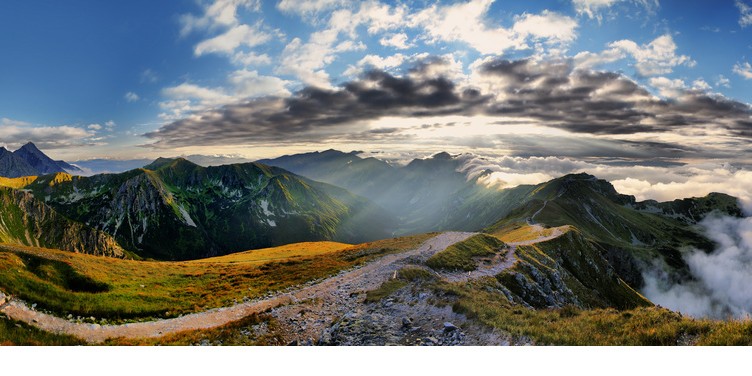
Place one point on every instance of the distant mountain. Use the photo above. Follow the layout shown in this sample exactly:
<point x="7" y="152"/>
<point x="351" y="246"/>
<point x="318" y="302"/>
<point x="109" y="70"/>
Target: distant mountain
<point x="30" y="161"/>
<point x="28" y="221"/>
<point x="423" y="194"/>
<point x="175" y="209"/>
<point x="633" y="236"/>
<point x="12" y="166"/>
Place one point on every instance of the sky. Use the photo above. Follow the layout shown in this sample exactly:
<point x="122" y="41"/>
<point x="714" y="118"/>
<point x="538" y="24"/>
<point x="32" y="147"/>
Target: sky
<point x="654" y="95"/>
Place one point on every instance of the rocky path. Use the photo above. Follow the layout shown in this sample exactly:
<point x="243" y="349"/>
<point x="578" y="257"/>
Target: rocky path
<point x="333" y="296"/>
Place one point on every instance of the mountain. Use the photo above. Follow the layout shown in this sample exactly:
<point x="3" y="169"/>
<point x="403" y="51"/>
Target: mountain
<point x="428" y="194"/>
<point x="28" y="221"/>
<point x="12" y="166"/>
<point x="174" y="209"/>
<point x="30" y="161"/>
<point x="38" y="160"/>
<point x="633" y="236"/>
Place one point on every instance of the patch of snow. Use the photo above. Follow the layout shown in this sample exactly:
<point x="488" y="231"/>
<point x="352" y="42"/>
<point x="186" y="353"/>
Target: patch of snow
<point x="265" y="208"/>
<point x="271" y="223"/>
<point x="186" y="218"/>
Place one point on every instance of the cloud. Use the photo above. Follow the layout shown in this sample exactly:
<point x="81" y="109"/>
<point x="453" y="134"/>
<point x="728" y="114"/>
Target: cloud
<point x="229" y="41"/>
<point x="16" y="133"/>
<point x="217" y="14"/>
<point x="744" y="70"/>
<point x="720" y="279"/>
<point x="308" y="7"/>
<point x="652" y="59"/>
<point x="376" y="62"/>
<point x="188" y="98"/>
<point x="595" y="8"/>
<point x="94" y="127"/>
<point x="149" y="76"/>
<point x="251" y="59"/>
<point x="397" y="40"/>
<point x="131" y="97"/>
<point x="745" y="13"/>
<point x="466" y="22"/>
<point x="547" y="94"/>
<point x="722" y="81"/>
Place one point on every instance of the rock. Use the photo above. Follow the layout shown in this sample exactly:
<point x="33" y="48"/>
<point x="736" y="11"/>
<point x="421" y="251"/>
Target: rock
<point x="293" y="343"/>
<point x="406" y="322"/>
<point x="449" y="327"/>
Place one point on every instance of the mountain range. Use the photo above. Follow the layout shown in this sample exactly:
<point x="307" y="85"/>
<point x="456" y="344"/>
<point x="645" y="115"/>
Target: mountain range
<point x="30" y="161"/>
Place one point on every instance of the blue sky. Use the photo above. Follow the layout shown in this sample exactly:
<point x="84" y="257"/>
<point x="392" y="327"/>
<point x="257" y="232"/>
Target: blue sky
<point x="91" y="79"/>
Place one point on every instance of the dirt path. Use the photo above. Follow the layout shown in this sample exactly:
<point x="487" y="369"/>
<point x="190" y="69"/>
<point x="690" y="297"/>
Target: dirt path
<point x="334" y="296"/>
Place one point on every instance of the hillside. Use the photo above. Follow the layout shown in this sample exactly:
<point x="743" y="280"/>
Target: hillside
<point x="174" y="209"/>
<point x="28" y="221"/>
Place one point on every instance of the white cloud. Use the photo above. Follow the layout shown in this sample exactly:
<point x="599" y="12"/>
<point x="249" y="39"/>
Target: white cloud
<point x="249" y="84"/>
<point x="465" y="22"/>
<point x="722" y="81"/>
<point x="700" y="84"/>
<point x="595" y="8"/>
<point x="744" y="70"/>
<point x="131" y="97"/>
<point x="16" y="133"/>
<point x="149" y="76"/>
<point x="240" y="35"/>
<point x="251" y="59"/>
<point x="94" y="127"/>
<point x="219" y="13"/>
<point x="745" y="13"/>
<point x="549" y="26"/>
<point x="376" y="61"/>
<point x="244" y="84"/>
<point x="592" y="8"/>
<point x="655" y="58"/>
<point x="307" y="7"/>
<point x="110" y="124"/>
<point x="667" y="87"/>
<point x="398" y="41"/>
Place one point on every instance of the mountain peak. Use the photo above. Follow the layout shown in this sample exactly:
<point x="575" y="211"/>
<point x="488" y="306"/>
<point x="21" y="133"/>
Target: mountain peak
<point x="442" y="156"/>
<point x="162" y="162"/>
<point x="38" y="160"/>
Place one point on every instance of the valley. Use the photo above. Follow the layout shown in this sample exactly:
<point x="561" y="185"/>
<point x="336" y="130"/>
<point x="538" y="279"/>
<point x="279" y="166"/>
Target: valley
<point x="177" y="253"/>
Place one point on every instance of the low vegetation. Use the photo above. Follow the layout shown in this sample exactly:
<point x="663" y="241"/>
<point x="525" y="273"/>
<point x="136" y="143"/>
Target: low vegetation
<point x="461" y="256"/>
<point x="83" y="285"/>
<point x="652" y="326"/>
<point x="16" y="333"/>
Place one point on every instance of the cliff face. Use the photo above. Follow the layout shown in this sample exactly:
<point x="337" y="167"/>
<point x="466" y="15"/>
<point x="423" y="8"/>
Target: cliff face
<point x="27" y="221"/>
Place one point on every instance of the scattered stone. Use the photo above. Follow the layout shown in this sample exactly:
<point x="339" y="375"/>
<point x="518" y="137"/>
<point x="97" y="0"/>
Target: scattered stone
<point x="449" y="327"/>
<point x="406" y="322"/>
<point x="293" y="343"/>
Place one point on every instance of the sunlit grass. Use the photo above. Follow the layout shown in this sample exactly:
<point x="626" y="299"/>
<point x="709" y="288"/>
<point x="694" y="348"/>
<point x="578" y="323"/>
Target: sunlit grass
<point x="285" y="252"/>
<point x="573" y="326"/>
<point x="84" y="285"/>
<point x="522" y="232"/>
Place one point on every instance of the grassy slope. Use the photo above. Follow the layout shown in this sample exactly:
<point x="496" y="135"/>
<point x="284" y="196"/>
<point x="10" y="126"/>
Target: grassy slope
<point x="571" y="326"/>
<point x="67" y="283"/>
<point x="461" y="256"/>
<point x="13" y="333"/>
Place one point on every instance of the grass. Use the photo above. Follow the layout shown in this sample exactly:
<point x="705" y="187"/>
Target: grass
<point x="650" y="326"/>
<point x="461" y="256"/>
<point x="254" y="330"/>
<point x="521" y="232"/>
<point x="282" y="253"/>
<point x="84" y="285"/>
<point x="402" y="278"/>
<point x="16" y="333"/>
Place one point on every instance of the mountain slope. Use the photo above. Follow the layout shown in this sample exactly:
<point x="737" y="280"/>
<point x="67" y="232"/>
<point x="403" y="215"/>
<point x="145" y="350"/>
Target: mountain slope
<point x="41" y="163"/>
<point x="12" y="166"/>
<point x="634" y="236"/>
<point x="27" y="221"/>
<point x="174" y="209"/>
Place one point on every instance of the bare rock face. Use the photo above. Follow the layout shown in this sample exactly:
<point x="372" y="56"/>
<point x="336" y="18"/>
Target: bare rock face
<point x="27" y="221"/>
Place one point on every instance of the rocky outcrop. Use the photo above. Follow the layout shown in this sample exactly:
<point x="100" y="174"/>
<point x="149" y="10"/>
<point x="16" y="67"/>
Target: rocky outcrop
<point x="27" y="221"/>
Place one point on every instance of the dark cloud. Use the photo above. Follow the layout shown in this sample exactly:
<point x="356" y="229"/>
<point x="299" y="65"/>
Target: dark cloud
<point x="552" y="93"/>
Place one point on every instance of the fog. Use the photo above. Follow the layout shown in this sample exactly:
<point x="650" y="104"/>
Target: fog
<point x="722" y="285"/>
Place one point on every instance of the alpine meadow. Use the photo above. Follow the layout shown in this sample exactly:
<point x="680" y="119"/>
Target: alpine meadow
<point x="375" y="173"/>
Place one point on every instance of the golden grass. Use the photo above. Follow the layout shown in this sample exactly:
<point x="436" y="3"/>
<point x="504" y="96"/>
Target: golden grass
<point x="84" y="285"/>
<point x="523" y="232"/>
<point x="281" y="253"/>
<point x="17" y="183"/>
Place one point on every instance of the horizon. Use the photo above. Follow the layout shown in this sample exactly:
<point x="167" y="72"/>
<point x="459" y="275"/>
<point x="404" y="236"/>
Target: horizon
<point x="537" y="90"/>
